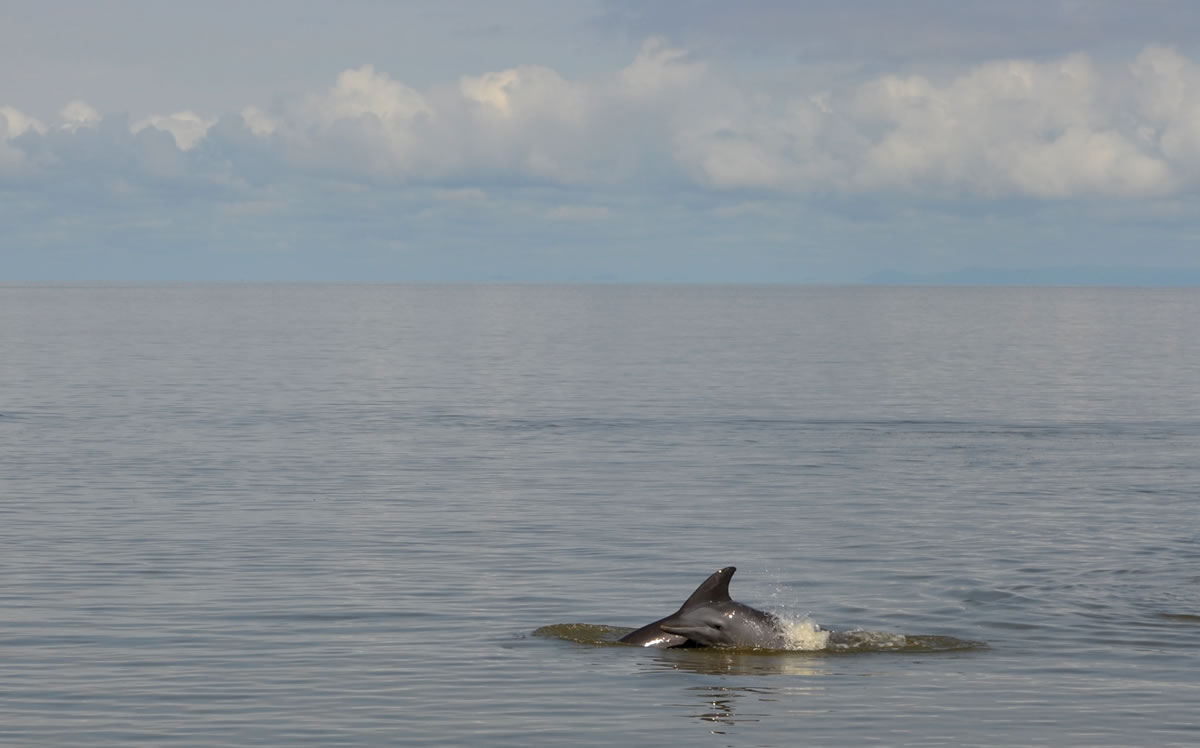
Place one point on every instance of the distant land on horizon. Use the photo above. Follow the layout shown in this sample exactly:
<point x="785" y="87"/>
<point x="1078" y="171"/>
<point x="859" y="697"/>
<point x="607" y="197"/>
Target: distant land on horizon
<point x="1080" y="275"/>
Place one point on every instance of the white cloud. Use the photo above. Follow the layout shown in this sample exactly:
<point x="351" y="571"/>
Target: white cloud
<point x="361" y="92"/>
<point x="526" y="121"/>
<point x="1051" y="130"/>
<point x="527" y="92"/>
<point x="1055" y="129"/>
<point x="78" y="114"/>
<point x="187" y="127"/>
<point x="658" y="68"/>
<point x="755" y="142"/>
<point x="520" y="123"/>
<point x="1081" y="160"/>
<point x="14" y="122"/>
<point x="258" y="121"/>
<point x="1040" y="129"/>
<point x="1169" y="98"/>
<point x="365" y="123"/>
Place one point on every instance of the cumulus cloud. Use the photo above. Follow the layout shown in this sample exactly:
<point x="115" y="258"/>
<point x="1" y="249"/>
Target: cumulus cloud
<point x="1055" y="129"/>
<point x="365" y="92"/>
<point x="1015" y="127"/>
<point x="366" y="122"/>
<point x="523" y="121"/>
<point x="14" y="122"/>
<point x="187" y="127"/>
<point x="258" y="121"/>
<point x="1169" y="100"/>
<point x="1010" y="127"/>
<point x="78" y="114"/>
<point x="659" y="67"/>
<point x="528" y="92"/>
<point x="524" y="124"/>
<point x="1051" y="129"/>
<point x="756" y="142"/>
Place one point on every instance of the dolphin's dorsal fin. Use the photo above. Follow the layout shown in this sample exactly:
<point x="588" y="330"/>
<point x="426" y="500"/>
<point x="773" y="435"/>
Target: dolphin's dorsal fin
<point x="715" y="589"/>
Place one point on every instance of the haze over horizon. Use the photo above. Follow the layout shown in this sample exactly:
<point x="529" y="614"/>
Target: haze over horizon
<point x="608" y="140"/>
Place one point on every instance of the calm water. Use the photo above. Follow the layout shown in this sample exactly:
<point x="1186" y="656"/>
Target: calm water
<point x="336" y="515"/>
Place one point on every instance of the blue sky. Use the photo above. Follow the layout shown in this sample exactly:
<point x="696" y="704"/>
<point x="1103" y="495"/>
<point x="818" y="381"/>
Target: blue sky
<point x="762" y="141"/>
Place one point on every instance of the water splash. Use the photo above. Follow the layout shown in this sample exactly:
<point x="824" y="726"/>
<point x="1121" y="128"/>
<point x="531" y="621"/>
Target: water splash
<point x="804" y="635"/>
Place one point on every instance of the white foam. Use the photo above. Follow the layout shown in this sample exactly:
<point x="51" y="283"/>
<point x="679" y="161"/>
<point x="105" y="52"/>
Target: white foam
<point x="804" y="634"/>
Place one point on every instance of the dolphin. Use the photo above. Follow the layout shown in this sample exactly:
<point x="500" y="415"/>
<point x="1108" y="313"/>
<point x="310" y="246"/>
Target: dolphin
<point x="709" y="618"/>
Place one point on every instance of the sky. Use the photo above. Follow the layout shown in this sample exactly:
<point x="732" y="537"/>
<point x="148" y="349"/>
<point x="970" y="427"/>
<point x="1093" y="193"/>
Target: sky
<point x="765" y="141"/>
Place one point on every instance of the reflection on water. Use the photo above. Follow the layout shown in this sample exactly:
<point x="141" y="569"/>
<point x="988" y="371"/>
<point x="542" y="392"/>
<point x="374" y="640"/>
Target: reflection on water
<point x="720" y="706"/>
<point x="725" y="706"/>
<point x="712" y="661"/>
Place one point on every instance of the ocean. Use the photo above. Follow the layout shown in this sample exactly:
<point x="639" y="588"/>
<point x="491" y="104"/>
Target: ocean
<point x="420" y="515"/>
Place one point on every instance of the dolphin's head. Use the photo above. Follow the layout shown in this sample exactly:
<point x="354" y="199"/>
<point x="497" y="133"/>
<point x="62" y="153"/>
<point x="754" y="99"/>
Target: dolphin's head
<point x="725" y="625"/>
<point x="705" y="625"/>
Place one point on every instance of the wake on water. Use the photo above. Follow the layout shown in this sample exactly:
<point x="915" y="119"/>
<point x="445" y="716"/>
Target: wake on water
<point x="700" y="619"/>
<point x="804" y="636"/>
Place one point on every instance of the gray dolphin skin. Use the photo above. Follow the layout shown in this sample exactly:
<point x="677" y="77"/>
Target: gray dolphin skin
<point x="709" y="618"/>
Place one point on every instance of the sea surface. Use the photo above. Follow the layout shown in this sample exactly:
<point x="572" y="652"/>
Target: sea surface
<point x="420" y="515"/>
